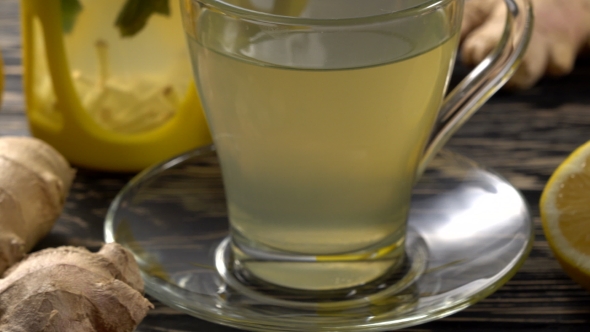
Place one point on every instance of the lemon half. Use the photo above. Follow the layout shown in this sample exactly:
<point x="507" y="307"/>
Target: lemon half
<point x="565" y="214"/>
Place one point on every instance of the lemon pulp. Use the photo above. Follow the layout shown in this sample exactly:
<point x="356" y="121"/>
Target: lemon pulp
<point x="565" y="214"/>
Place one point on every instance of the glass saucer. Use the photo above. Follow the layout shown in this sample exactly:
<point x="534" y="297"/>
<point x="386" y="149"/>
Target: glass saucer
<point x="472" y="229"/>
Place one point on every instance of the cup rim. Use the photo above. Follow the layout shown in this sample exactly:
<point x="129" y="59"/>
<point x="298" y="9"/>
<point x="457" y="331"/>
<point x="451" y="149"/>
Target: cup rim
<point x="222" y="6"/>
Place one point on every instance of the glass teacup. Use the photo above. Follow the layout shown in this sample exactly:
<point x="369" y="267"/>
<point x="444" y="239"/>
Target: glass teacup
<point x="324" y="114"/>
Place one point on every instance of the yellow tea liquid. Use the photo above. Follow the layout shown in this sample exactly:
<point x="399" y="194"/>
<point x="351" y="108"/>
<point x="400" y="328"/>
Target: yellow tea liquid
<point x="321" y="162"/>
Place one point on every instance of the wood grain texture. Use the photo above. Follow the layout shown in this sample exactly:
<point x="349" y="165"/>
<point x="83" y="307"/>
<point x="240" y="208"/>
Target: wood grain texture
<point x="522" y="135"/>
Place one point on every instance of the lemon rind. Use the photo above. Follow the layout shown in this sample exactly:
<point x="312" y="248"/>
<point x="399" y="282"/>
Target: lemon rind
<point x="574" y="164"/>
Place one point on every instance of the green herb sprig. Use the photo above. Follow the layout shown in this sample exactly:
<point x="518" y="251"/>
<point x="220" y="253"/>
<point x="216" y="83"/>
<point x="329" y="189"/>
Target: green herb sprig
<point x="131" y="19"/>
<point x="69" y="12"/>
<point x="135" y="14"/>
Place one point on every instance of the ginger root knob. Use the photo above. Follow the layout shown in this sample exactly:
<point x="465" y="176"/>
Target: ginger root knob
<point x="561" y="32"/>
<point x="70" y="289"/>
<point x="34" y="182"/>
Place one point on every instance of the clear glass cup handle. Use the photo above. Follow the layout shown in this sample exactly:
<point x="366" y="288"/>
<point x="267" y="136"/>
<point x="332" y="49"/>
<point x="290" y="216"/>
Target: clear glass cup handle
<point x="485" y="80"/>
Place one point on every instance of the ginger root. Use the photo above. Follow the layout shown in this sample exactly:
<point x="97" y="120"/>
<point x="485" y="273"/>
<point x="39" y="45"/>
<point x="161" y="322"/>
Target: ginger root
<point x="34" y="182"/>
<point x="560" y="33"/>
<point x="62" y="289"/>
<point x="69" y="289"/>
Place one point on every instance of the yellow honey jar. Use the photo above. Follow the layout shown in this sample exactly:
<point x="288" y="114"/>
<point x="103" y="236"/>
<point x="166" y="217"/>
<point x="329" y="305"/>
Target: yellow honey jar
<point x="108" y="83"/>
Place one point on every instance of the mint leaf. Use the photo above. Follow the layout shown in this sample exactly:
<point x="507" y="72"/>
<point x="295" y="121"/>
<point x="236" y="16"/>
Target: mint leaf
<point x="135" y="14"/>
<point x="69" y="12"/>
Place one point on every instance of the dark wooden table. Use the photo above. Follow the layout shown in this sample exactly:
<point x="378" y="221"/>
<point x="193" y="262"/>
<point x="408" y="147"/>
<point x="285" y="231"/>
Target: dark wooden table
<point x="523" y="135"/>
